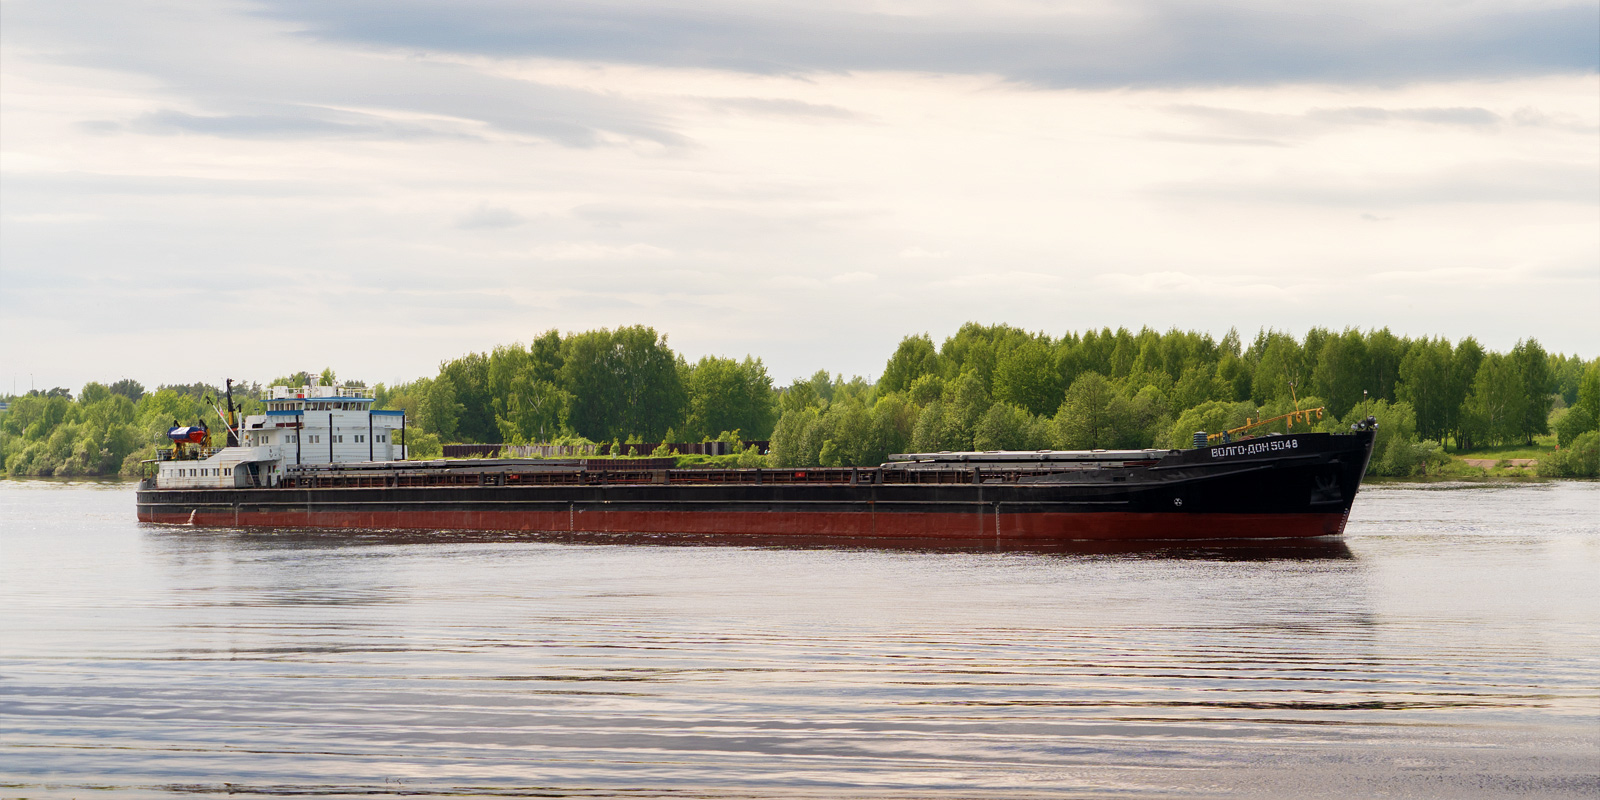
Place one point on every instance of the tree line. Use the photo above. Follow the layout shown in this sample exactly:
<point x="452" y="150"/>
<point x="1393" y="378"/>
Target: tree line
<point x="997" y="387"/>
<point x="108" y="429"/>
<point x="596" y="386"/>
<point x="986" y="387"/>
<point x="1000" y="387"/>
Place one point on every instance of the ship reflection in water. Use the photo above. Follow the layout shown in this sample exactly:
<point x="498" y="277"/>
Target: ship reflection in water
<point x="1445" y="648"/>
<point x="1200" y="549"/>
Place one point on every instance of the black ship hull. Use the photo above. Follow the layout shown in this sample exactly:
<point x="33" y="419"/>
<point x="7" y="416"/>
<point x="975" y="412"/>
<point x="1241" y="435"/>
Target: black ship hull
<point x="1272" y="487"/>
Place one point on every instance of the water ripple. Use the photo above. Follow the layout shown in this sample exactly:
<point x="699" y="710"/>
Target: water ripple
<point x="1449" y="648"/>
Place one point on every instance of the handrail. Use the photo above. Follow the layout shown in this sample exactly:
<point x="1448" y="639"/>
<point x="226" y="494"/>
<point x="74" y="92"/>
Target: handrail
<point x="315" y="392"/>
<point x="1289" y="420"/>
<point x="189" y="454"/>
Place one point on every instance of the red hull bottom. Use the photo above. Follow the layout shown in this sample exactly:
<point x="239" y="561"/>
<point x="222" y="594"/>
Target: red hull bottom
<point x="1041" y="527"/>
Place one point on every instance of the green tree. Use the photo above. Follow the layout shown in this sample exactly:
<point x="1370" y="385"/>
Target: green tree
<point x="1464" y="366"/>
<point x="724" y="394"/>
<point x="622" y="383"/>
<point x="938" y="428"/>
<point x="1575" y="422"/>
<point x="816" y="390"/>
<point x="129" y="388"/>
<point x="927" y="389"/>
<point x="469" y="377"/>
<point x="195" y="390"/>
<point x="1151" y="417"/>
<point x="544" y="353"/>
<point x="1026" y="376"/>
<point x="1278" y="365"/>
<point x="1588" y="395"/>
<point x="789" y="446"/>
<point x="1123" y="353"/>
<point x="93" y="392"/>
<point x="914" y="358"/>
<point x="532" y="410"/>
<point x="1093" y="354"/>
<point x="847" y="434"/>
<point x="419" y="444"/>
<point x="1093" y="416"/>
<point x="893" y="421"/>
<point x="440" y="410"/>
<point x="1581" y="460"/>
<point x="1568" y="373"/>
<point x="507" y="364"/>
<point x="1384" y="353"/>
<point x="1233" y="370"/>
<point x="165" y="408"/>
<point x="1008" y="427"/>
<point x="965" y="401"/>
<point x="1395" y="450"/>
<point x="1212" y="417"/>
<point x="1341" y="371"/>
<point x="1424" y="382"/>
<point x="976" y="349"/>
<point x="1495" y="410"/>
<point x="1532" y="367"/>
<point x="295" y="380"/>
<point x="1199" y="384"/>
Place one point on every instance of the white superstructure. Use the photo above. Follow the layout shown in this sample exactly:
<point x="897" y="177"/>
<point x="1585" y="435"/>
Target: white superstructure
<point x="302" y="425"/>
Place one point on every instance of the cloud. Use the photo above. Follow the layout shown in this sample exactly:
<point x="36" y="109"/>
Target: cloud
<point x="305" y="123"/>
<point x="243" y="76"/>
<point x="1434" y="116"/>
<point x="779" y="107"/>
<point x="52" y="219"/>
<point x="486" y="217"/>
<point x="85" y="184"/>
<point x="595" y="251"/>
<point x="1505" y="183"/>
<point x="1234" y="126"/>
<point x="1169" y="283"/>
<point x="853" y="277"/>
<point x="1237" y="141"/>
<point x="447" y="193"/>
<point x="1159" y="43"/>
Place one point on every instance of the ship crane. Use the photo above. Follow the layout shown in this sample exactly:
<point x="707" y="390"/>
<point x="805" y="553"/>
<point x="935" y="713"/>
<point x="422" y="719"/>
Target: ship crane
<point x="1303" y="416"/>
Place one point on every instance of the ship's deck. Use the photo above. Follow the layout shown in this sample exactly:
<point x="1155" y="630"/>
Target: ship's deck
<point x="605" y="472"/>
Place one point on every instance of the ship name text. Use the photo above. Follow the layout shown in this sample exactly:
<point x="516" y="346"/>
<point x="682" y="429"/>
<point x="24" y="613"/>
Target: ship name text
<point x="1255" y="448"/>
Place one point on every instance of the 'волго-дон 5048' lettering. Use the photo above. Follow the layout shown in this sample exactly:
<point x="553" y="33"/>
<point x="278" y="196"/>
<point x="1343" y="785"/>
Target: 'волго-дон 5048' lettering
<point x="1255" y="448"/>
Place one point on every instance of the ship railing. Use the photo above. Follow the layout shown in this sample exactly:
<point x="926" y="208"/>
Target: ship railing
<point x="190" y="454"/>
<point x="271" y="393"/>
<point x="419" y="478"/>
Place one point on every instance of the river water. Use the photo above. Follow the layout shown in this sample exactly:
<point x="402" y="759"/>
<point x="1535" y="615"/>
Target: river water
<point x="1448" y="647"/>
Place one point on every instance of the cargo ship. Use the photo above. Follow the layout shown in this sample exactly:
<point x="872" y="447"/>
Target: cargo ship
<point x="322" y="457"/>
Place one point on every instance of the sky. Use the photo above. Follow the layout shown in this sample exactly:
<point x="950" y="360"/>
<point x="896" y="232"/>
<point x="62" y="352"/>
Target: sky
<point x="199" y="190"/>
